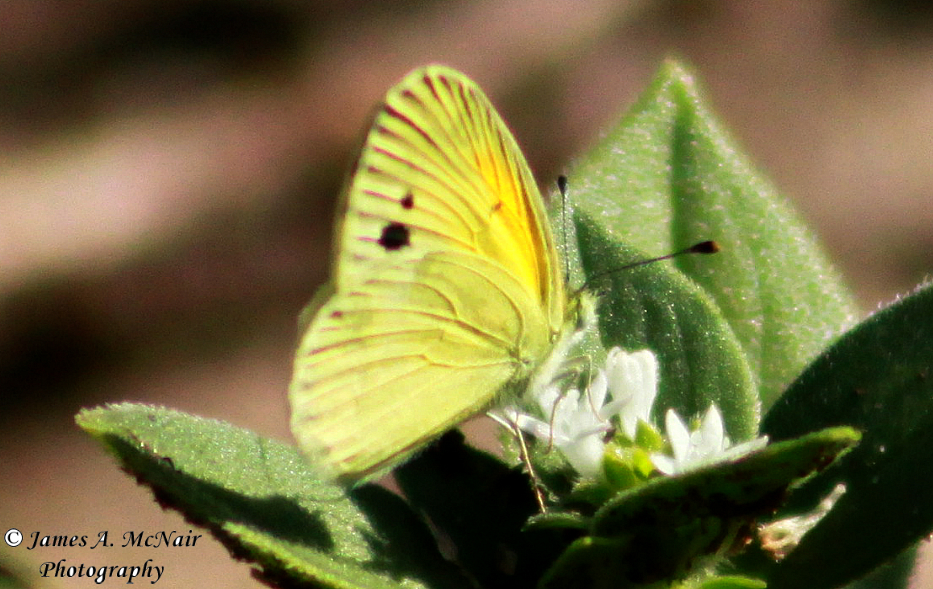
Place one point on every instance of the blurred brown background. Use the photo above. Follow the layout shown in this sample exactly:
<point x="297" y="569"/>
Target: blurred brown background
<point x="168" y="170"/>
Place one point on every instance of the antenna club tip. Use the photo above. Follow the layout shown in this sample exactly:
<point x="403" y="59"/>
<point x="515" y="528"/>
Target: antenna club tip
<point x="562" y="183"/>
<point x="705" y="247"/>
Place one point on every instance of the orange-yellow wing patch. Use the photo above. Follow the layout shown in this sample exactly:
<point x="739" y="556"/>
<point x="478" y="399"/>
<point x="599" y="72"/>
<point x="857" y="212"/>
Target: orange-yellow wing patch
<point x="446" y="286"/>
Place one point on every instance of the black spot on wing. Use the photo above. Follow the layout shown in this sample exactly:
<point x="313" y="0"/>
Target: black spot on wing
<point x="394" y="236"/>
<point x="408" y="202"/>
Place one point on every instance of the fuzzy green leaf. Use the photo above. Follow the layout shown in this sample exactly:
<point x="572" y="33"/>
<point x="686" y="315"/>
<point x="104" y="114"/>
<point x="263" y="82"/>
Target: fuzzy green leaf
<point x="16" y="574"/>
<point x="479" y="506"/>
<point x="732" y="583"/>
<point x="669" y="176"/>
<point x="663" y="529"/>
<point x="656" y="307"/>
<point x="895" y="574"/>
<point x="878" y="378"/>
<point x="741" y="488"/>
<point x="260" y="498"/>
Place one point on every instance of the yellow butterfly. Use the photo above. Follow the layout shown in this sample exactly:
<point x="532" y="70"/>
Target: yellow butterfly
<point x="446" y="287"/>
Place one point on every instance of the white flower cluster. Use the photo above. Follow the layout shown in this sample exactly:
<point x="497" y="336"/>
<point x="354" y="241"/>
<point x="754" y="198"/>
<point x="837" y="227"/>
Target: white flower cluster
<point x="706" y="445"/>
<point x="623" y="393"/>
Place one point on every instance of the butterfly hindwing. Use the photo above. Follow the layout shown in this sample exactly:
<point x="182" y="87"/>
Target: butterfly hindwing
<point x="446" y="284"/>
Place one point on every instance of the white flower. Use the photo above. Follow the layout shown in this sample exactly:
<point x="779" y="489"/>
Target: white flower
<point x="577" y="423"/>
<point x="624" y="393"/>
<point x="633" y="385"/>
<point x="707" y="445"/>
<point x="574" y="426"/>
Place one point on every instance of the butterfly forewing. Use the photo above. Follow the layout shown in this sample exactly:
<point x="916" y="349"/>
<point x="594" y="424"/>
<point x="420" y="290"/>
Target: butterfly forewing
<point x="446" y="287"/>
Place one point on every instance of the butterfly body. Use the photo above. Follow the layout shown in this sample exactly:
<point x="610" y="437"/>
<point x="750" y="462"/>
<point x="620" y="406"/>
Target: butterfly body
<point x="446" y="289"/>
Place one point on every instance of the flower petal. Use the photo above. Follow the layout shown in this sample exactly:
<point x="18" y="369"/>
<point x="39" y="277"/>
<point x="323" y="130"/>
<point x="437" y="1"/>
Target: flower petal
<point x="677" y="434"/>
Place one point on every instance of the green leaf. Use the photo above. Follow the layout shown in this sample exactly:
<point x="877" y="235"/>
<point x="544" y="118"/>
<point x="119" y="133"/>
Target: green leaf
<point x="732" y="583"/>
<point x="668" y="176"/>
<point x="740" y="488"/>
<point x="591" y="562"/>
<point x="260" y="498"/>
<point x="877" y="378"/>
<point x="895" y="574"/>
<point x="664" y="529"/>
<point x="656" y="307"/>
<point x="479" y="506"/>
<point x="16" y="574"/>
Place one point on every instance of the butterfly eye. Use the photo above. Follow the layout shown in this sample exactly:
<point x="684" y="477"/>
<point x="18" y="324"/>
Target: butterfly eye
<point x="394" y="237"/>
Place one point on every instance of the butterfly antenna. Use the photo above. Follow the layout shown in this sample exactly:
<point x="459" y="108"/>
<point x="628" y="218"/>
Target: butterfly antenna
<point x="703" y="247"/>
<point x="562" y="187"/>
